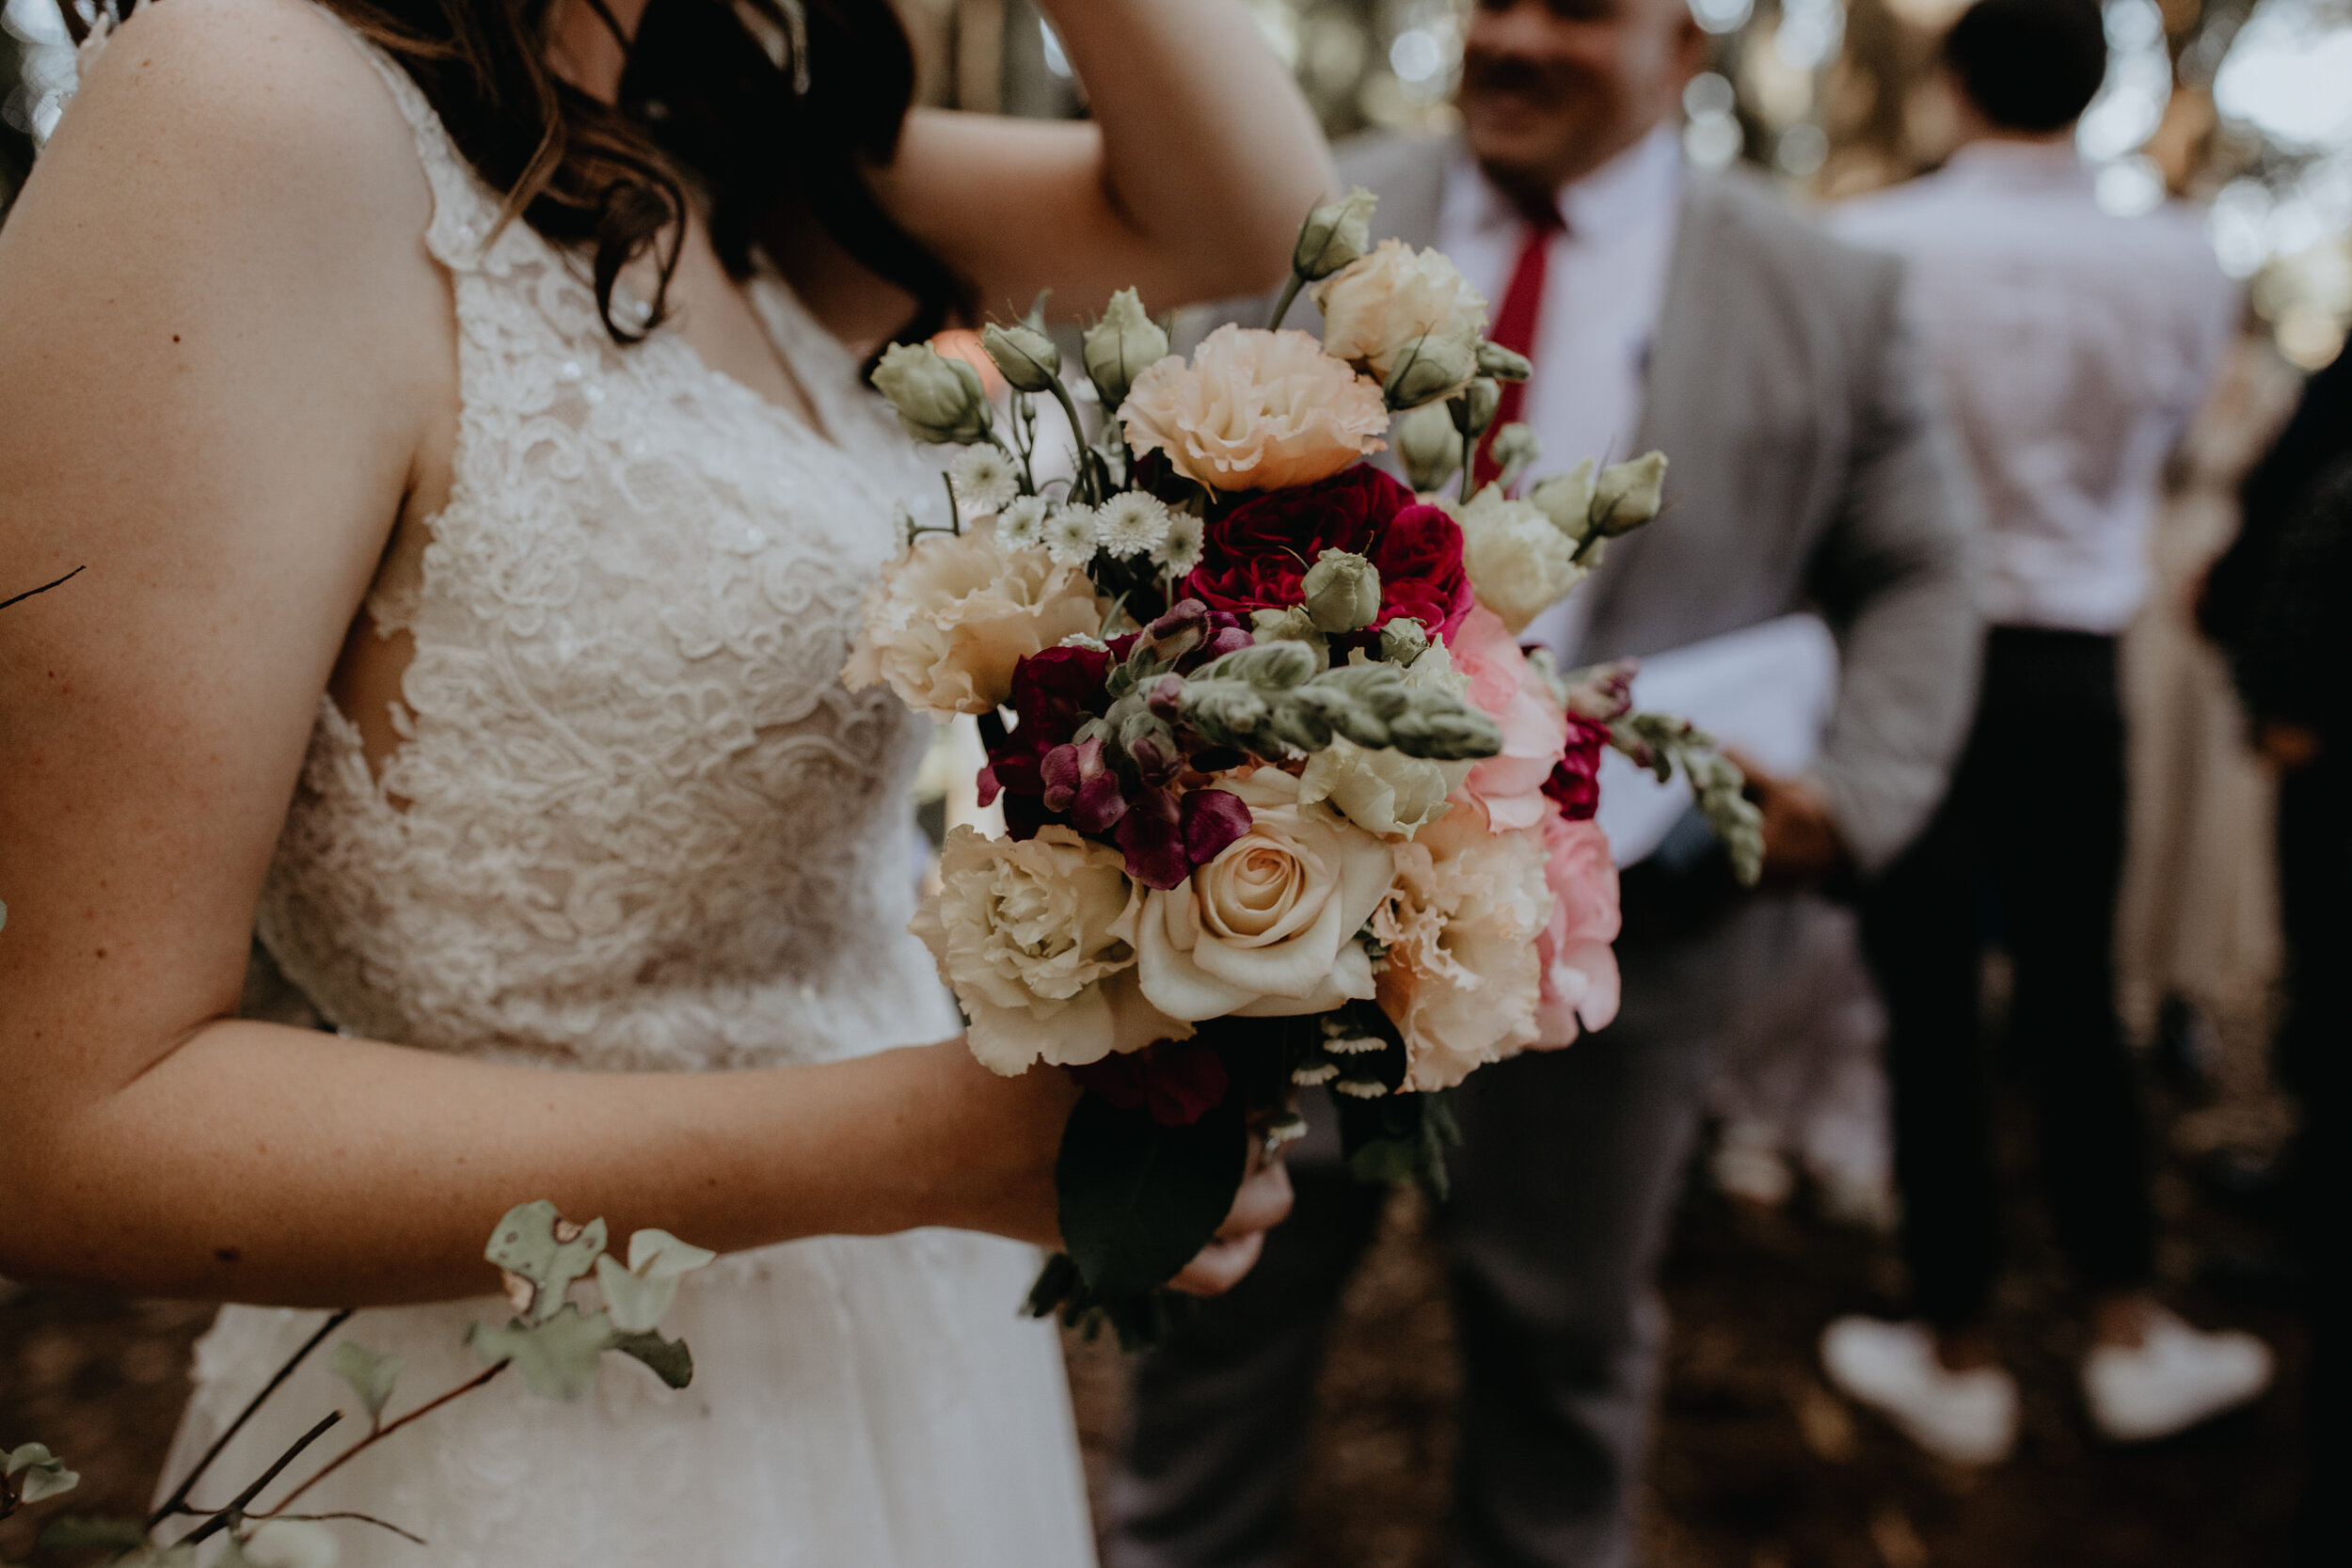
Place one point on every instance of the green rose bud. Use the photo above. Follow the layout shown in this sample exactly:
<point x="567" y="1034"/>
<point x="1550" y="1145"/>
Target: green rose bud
<point x="1474" y="407"/>
<point x="1428" y="446"/>
<point x="1503" y="364"/>
<point x="1334" y="235"/>
<point x="938" y="399"/>
<point x="1402" y="640"/>
<point x="1567" y="500"/>
<point x="1628" y="495"/>
<point x="1435" y="366"/>
<point x="1119" y="347"/>
<point x="1025" y="354"/>
<point x="1343" y="591"/>
<point x="1514" y="451"/>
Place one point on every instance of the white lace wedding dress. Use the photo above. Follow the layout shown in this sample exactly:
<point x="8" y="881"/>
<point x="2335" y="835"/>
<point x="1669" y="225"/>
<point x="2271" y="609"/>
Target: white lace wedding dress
<point x="642" y="825"/>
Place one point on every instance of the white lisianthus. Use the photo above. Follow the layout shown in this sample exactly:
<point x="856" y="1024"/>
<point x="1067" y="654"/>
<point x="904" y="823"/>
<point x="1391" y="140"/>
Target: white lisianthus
<point x="1131" y="523"/>
<point x="1629" y="494"/>
<point x="1520" y="564"/>
<point x="984" y="479"/>
<point x="1027" y="933"/>
<point x="1071" y="535"/>
<point x="1179" y="549"/>
<point x="1567" y="500"/>
<point x="1377" y="309"/>
<point x="1267" y="929"/>
<point x="1380" y="789"/>
<point x="1021" y="525"/>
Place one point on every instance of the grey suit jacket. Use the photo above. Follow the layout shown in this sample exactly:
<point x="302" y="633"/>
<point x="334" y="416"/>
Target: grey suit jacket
<point x="1810" y="468"/>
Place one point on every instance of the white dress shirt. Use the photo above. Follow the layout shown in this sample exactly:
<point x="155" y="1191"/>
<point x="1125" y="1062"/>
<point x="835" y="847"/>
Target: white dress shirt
<point x="2073" y="346"/>
<point x="1604" y="282"/>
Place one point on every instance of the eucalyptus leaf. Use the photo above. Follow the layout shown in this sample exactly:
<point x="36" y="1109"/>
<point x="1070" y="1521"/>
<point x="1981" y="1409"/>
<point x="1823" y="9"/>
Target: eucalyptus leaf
<point x="635" y="1302"/>
<point x="671" y="1361"/>
<point x="659" y="1255"/>
<point x="1140" y="1199"/>
<point x="557" y="1357"/>
<point x="86" y="1529"/>
<point x="531" y="1242"/>
<point x="371" y="1374"/>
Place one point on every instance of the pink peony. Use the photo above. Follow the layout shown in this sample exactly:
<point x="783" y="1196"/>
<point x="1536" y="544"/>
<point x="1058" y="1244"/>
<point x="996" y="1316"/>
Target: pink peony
<point x="1509" y="788"/>
<point x="1255" y="411"/>
<point x="1579" y="968"/>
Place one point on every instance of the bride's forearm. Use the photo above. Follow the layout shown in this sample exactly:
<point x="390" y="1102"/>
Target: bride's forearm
<point x="269" y="1165"/>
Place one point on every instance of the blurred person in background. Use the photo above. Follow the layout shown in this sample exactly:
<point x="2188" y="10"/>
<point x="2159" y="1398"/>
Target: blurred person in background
<point x="2280" y="602"/>
<point x="1661" y="308"/>
<point x="2075" y="346"/>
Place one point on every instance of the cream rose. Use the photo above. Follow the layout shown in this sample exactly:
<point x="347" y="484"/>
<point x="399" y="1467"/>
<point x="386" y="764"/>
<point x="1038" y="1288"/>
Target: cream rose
<point x="1461" y="979"/>
<point x="1255" y="411"/>
<point x="1519" y="563"/>
<point x="1267" y="929"/>
<point x="946" y="623"/>
<point x="1023" y="933"/>
<point x="1382" y="304"/>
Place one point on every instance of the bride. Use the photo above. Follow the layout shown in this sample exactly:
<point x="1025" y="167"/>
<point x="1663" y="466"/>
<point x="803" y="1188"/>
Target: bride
<point x="448" y="402"/>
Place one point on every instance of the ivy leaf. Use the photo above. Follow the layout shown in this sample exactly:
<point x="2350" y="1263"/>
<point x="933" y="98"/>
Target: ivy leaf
<point x="671" y="1361"/>
<point x="1138" y="1199"/>
<point x="636" y="1303"/>
<point x="557" y="1357"/>
<point x="84" y="1529"/>
<point x="536" y="1241"/>
<point x="370" y="1374"/>
<point x="659" y="1255"/>
<point x="44" y="1473"/>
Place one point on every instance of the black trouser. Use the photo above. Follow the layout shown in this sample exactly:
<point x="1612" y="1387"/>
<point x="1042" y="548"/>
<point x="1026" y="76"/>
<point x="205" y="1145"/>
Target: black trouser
<point x="2032" y="833"/>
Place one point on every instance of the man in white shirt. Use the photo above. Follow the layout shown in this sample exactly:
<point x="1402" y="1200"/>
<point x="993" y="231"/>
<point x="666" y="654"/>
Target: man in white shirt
<point x="1666" y="308"/>
<point x="2073" y="346"/>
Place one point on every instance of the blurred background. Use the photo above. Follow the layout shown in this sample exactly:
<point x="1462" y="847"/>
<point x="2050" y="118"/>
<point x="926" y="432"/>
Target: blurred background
<point x="2240" y="107"/>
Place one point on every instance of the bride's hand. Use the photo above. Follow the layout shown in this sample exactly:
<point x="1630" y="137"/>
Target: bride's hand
<point x="1262" y="1203"/>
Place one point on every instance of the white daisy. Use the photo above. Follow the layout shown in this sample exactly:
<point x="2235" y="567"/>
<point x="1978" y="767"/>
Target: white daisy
<point x="1179" y="549"/>
<point x="1131" y="523"/>
<point x="984" y="479"/>
<point x="1069" y="535"/>
<point x="1021" y="525"/>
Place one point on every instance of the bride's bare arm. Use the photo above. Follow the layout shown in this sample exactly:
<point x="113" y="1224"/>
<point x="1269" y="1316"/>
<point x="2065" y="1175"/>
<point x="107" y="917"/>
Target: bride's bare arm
<point x="223" y="349"/>
<point x="1188" y="184"/>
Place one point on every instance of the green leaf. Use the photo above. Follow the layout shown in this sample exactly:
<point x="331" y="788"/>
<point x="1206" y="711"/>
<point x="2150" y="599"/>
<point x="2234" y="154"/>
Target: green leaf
<point x="370" y="1374"/>
<point x="27" y="1455"/>
<point x="557" y="1358"/>
<point x="538" y="1244"/>
<point x="659" y="1255"/>
<point x="1138" y="1200"/>
<point x="671" y="1361"/>
<point x="45" y="1475"/>
<point x="86" y="1530"/>
<point x="636" y="1303"/>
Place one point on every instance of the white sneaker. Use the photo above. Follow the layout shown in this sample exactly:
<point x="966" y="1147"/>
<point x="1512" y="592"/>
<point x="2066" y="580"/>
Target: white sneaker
<point x="1968" y="1417"/>
<point x="2176" y="1377"/>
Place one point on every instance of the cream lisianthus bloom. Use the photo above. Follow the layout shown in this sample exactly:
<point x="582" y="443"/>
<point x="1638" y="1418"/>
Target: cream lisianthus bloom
<point x="1379" y="308"/>
<point x="946" y="623"/>
<point x="1380" y="789"/>
<point x="1255" y="410"/>
<point x="1519" y="563"/>
<point x="1267" y="929"/>
<point x="1023" y="932"/>
<point x="1461" y="979"/>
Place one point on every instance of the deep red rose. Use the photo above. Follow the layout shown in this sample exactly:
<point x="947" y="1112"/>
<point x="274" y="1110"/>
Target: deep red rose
<point x="1575" y="782"/>
<point x="1175" y="1082"/>
<point x="1256" y="556"/>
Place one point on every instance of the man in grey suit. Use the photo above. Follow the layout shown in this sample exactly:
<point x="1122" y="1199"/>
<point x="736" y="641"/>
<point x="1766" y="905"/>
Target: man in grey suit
<point x="1661" y="308"/>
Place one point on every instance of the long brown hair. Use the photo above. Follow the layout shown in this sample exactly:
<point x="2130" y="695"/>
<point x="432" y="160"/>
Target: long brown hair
<point x="712" y="96"/>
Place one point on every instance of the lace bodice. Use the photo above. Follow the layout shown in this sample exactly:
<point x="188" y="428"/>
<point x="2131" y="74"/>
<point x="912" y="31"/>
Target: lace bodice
<point x="635" y="819"/>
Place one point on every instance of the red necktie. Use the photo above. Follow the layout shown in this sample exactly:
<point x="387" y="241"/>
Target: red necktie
<point x="1514" y="328"/>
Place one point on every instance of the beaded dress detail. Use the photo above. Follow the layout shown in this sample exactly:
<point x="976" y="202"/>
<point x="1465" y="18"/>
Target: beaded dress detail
<point x="636" y="821"/>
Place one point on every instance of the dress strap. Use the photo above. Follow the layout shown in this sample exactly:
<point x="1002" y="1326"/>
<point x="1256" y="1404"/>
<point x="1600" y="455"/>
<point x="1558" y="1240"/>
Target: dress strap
<point x="465" y="213"/>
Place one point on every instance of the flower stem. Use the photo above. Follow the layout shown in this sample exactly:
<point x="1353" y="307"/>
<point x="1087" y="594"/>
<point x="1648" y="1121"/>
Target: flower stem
<point x="176" y="1502"/>
<point x="1282" y="306"/>
<point x="221" y="1519"/>
<point x="380" y="1433"/>
<point x="955" y="514"/>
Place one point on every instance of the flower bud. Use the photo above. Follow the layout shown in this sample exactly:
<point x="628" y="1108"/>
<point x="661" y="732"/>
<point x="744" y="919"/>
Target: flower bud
<point x="1514" y="451"/>
<point x="1427" y="445"/>
<point x="1442" y="728"/>
<point x="1120" y="345"/>
<point x="1334" y="235"/>
<point x="1287" y="625"/>
<point x="938" y="399"/>
<point x="1435" y="366"/>
<point x="1474" y="407"/>
<point x="1402" y="640"/>
<point x="1266" y="667"/>
<point x="1502" y="363"/>
<point x="1343" y="591"/>
<point x="1026" y="355"/>
<point x="1567" y="500"/>
<point x="1628" y="495"/>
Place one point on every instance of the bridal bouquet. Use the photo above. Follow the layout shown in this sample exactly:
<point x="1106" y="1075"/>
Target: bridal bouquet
<point x="1287" y="805"/>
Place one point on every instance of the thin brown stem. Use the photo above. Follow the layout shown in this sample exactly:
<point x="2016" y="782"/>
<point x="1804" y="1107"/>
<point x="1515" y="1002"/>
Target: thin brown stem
<point x="235" y="1510"/>
<point x="362" y="1518"/>
<point x="380" y="1433"/>
<point x="176" y="1502"/>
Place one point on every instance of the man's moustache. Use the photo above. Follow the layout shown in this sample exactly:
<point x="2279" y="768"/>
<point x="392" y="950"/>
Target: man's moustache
<point x="1508" y="73"/>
